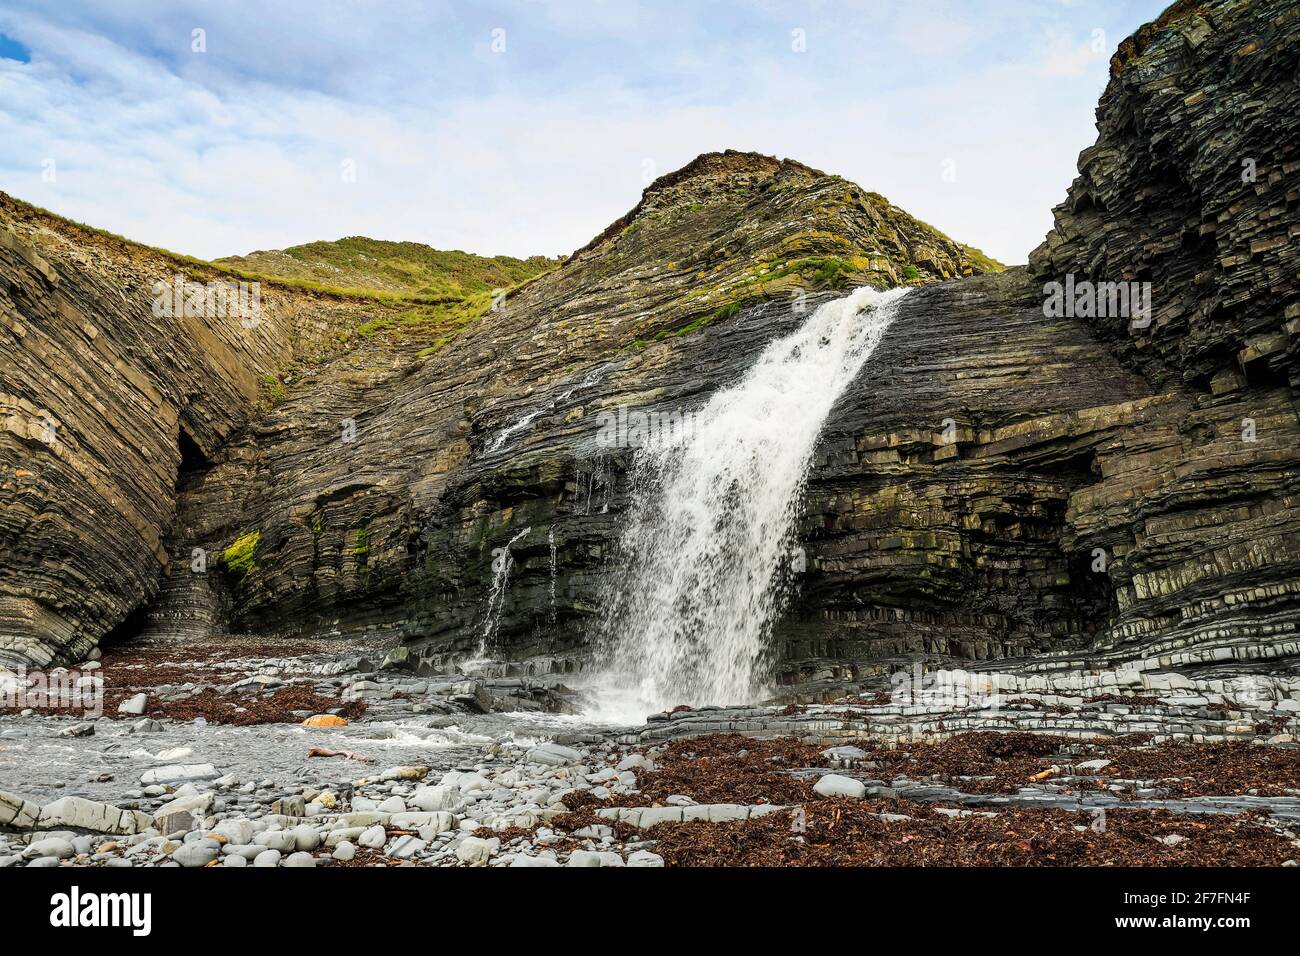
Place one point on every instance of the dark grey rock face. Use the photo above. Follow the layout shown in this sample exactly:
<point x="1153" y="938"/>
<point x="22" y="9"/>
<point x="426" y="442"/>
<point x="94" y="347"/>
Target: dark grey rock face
<point x="1192" y="187"/>
<point x="1158" y="448"/>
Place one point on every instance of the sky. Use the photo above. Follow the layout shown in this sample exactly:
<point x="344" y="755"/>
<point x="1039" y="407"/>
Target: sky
<point x="524" y="128"/>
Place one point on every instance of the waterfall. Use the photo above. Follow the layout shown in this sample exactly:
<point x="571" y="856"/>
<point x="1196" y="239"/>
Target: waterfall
<point x="555" y="564"/>
<point x="502" y="562"/>
<point x="706" y="556"/>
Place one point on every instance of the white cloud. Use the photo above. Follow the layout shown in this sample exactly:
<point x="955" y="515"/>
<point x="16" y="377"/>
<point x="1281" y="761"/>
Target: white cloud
<point x="538" y="149"/>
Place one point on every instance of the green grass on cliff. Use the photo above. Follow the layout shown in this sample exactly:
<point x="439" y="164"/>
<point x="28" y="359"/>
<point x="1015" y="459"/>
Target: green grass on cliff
<point x="451" y="313"/>
<point x="722" y="312"/>
<point x="362" y="547"/>
<point x="981" y="261"/>
<point x="431" y="295"/>
<point x="198" y="270"/>
<point x="426" y="326"/>
<point x="398" y="268"/>
<point x="819" y="272"/>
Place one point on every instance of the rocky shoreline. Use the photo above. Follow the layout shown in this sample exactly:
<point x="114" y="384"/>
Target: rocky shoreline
<point x="1142" y="767"/>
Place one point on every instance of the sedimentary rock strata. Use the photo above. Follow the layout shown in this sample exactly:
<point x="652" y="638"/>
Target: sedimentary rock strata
<point x="111" y="393"/>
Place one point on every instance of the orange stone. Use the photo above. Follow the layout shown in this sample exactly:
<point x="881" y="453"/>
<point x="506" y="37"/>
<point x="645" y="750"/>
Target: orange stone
<point x="324" y="720"/>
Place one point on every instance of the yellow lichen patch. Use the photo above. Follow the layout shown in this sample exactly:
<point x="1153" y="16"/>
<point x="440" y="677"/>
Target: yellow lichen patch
<point x="238" y="558"/>
<point x="324" y="720"/>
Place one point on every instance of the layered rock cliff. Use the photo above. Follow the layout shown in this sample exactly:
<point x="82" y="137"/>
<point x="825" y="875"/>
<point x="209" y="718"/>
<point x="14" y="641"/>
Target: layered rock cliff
<point x="327" y="467"/>
<point x="1004" y="479"/>
<point x="1108" y="482"/>
<point x="395" y="267"/>
<point x="102" y="401"/>
<point x="397" y="528"/>
<point x="113" y="392"/>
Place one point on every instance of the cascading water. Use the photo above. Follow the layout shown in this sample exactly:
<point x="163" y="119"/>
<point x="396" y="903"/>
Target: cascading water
<point x="555" y="566"/>
<point x="502" y="562"/>
<point x="706" y="555"/>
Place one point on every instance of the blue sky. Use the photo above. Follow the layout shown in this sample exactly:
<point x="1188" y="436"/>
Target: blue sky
<point x="298" y="121"/>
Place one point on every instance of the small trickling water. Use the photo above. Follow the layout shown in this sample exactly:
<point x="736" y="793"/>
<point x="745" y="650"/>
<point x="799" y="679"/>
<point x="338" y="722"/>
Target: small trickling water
<point x="550" y="540"/>
<point x="705" y="560"/>
<point x="593" y="475"/>
<point x="521" y="424"/>
<point x="502" y="562"/>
